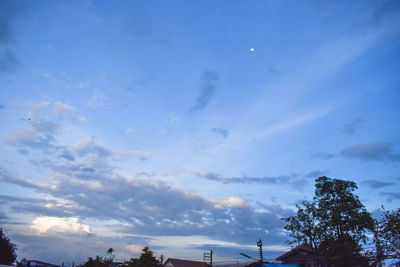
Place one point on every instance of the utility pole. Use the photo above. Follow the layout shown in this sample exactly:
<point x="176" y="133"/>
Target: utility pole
<point x="259" y="244"/>
<point x="208" y="256"/>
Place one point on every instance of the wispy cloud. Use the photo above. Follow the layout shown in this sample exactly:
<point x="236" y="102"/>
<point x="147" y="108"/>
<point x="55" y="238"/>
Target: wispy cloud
<point x="208" y="85"/>
<point x="89" y="146"/>
<point x="36" y="109"/>
<point x="375" y="184"/>
<point x="372" y="151"/>
<point x="10" y="10"/>
<point x="64" y="111"/>
<point x="221" y="131"/>
<point x="39" y="135"/>
<point x="390" y="196"/>
<point x="316" y="174"/>
<point x="22" y="182"/>
<point x="8" y="61"/>
<point x="384" y="10"/>
<point x="351" y="127"/>
<point x="244" y="179"/>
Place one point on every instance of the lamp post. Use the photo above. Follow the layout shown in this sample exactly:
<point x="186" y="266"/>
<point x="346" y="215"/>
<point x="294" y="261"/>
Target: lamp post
<point x="259" y="244"/>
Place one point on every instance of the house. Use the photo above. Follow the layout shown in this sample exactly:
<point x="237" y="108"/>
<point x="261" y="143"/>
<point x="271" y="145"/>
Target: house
<point x="304" y="256"/>
<point x="170" y="262"/>
<point x="301" y="255"/>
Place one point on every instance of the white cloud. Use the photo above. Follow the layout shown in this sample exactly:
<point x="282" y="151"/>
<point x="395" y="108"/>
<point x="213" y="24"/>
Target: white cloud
<point x="89" y="146"/>
<point x="36" y="108"/>
<point x="65" y="111"/>
<point x="231" y="202"/>
<point x="47" y="224"/>
<point x="60" y="109"/>
<point x="133" y="248"/>
<point x="38" y="135"/>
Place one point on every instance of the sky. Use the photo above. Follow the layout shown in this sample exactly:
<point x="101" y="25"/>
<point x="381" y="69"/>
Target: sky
<point x="187" y="126"/>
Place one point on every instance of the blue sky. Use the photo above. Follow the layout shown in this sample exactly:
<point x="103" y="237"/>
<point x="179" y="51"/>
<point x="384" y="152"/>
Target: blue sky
<point x="189" y="125"/>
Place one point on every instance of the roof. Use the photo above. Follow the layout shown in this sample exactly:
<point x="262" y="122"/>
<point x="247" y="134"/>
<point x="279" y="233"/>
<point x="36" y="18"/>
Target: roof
<point x="42" y="263"/>
<point x="185" y="263"/>
<point x="266" y="264"/>
<point x="292" y="251"/>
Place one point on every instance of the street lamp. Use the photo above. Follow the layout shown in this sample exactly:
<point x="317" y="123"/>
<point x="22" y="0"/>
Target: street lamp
<point x="259" y="244"/>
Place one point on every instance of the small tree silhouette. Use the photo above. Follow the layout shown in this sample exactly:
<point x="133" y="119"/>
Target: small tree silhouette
<point x="7" y="250"/>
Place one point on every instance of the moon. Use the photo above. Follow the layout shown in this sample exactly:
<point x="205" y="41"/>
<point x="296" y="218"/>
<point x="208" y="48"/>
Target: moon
<point x="251" y="49"/>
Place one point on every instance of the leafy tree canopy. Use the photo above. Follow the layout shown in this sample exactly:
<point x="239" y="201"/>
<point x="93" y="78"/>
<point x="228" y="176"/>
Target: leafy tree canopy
<point x="7" y="250"/>
<point x="146" y="259"/>
<point x="334" y="223"/>
<point x="387" y="235"/>
<point x="96" y="262"/>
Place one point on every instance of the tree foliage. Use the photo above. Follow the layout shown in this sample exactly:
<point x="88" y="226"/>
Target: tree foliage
<point x="7" y="250"/>
<point x="387" y="235"/>
<point x="303" y="228"/>
<point x="146" y="259"/>
<point x="110" y="252"/>
<point x="334" y="223"/>
<point x="96" y="262"/>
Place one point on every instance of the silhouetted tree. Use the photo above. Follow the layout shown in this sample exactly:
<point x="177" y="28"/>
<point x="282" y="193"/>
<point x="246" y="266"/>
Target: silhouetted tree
<point x="303" y="228"/>
<point x="387" y="235"/>
<point x="110" y="252"/>
<point x="146" y="259"/>
<point x="7" y="250"/>
<point x="97" y="262"/>
<point x="334" y="224"/>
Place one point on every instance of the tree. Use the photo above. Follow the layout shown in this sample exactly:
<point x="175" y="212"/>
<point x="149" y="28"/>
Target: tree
<point x="7" y="250"/>
<point x="146" y="259"/>
<point x="97" y="262"/>
<point x="110" y="252"/>
<point x="334" y="224"/>
<point x="387" y="235"/>
<point x="343" y="219"/>
<point x="303" y="228"/>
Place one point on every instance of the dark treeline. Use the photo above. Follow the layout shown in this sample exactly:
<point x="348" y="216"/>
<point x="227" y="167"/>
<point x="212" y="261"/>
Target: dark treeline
<point x="146" y="259"/>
